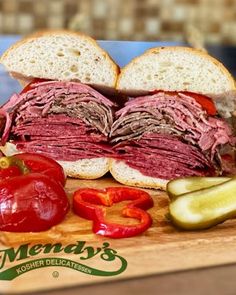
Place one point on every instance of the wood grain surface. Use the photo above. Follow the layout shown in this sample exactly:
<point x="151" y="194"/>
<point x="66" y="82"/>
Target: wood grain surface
<point x="160" y="249"/>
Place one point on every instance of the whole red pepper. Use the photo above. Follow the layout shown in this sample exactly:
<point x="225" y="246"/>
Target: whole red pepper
<point x="86" y="204"/>
<point x="32" y="196"/>
<point x="26" y="163"/>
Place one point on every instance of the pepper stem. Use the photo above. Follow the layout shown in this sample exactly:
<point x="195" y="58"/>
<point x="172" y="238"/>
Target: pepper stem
<point x="6" y="162"/>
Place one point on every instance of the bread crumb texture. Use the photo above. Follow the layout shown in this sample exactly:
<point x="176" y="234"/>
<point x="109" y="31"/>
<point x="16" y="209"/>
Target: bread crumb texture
<point x="86" y="168"/>
<point x="61" y="56"/>
<point x="129" y="176"/>
<point x="176" y="68"/>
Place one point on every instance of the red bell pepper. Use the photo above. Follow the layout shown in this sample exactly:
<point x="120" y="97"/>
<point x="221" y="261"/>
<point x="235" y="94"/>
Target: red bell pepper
<point x="86" y="204"/>
<point x="9" y="172"/>
<point x="205" y="101"/>
<point x="32" y="197"/>
<point x="29" y="86"/>
<point x="26" y="163"/>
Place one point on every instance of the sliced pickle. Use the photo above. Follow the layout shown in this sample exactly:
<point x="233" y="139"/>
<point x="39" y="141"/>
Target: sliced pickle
<point x="185" y="185"/>
<point x="206" y="207"/>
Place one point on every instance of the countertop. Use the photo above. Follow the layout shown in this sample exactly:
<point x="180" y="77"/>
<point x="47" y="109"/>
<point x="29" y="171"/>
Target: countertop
<point x="214" y="280"/>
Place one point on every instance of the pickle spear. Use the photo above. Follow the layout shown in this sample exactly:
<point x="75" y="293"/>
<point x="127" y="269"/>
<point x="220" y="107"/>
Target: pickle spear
<point x="185" y="185"/>
<point x="206" y="207"/>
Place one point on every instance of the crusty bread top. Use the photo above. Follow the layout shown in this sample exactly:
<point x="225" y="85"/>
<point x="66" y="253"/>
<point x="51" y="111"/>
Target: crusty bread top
<point x="61" y="55"/>
<point x="175" y="68"/>
<point x="179" y="69"/>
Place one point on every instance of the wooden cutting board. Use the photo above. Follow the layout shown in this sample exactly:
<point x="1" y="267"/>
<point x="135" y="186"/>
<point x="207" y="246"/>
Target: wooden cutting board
<point x="160" y="249"/>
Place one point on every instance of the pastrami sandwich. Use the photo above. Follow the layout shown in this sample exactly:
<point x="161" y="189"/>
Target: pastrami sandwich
<point x="59" y="115"/>
<point x="175" y="127"/>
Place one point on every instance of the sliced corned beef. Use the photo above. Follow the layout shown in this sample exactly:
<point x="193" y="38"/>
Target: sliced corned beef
<point x="64" y="120"/>
<point x="170" y="114"/>
<point x="178" y="117"/>
<point x="164" y="156"/>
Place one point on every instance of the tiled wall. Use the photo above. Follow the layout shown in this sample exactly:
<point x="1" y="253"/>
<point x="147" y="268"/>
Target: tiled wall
<point x="123" y="19"/>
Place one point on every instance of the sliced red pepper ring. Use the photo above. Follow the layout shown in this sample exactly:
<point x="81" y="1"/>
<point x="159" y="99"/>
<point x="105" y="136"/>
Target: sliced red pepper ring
<point x="86" y="204"/>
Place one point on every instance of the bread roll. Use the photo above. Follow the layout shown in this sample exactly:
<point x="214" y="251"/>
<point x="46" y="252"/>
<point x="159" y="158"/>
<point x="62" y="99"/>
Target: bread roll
<point x="130" y="176"/>
<point x="63" y="56"/>
<point x="180" y="69"/>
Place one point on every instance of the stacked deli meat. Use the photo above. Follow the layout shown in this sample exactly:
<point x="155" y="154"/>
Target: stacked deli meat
<point x="169" y="135"/>
<point x="63" y="120"/>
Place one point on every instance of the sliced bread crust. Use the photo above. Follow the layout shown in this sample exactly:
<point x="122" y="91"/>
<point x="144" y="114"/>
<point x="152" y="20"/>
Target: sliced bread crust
<point x="86" y="168"/>
<point x="61" y="55"/>
<point x="124" y="174"/>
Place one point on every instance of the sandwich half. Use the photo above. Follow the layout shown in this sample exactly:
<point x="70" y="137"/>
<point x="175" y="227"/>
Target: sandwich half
<point x="58" y="114"/>
<point x="174" y="122"/>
